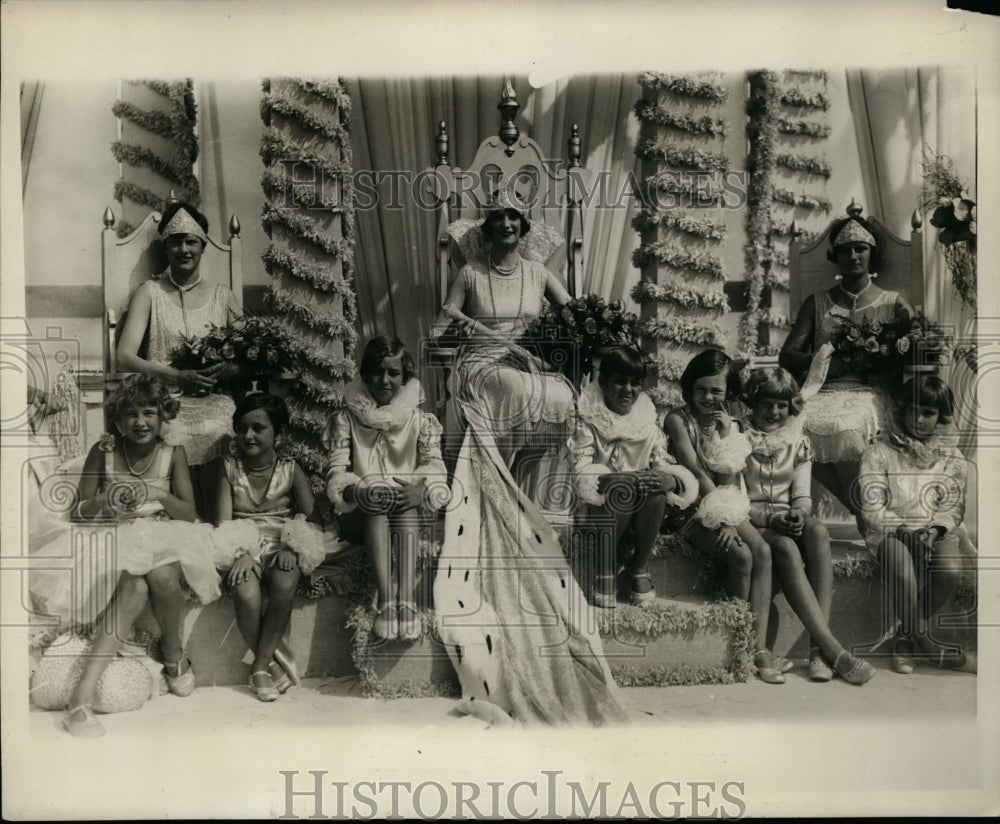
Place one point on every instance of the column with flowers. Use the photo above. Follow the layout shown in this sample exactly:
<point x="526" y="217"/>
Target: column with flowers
<point x="682" y="275"/>
<point x="309" y="217"/>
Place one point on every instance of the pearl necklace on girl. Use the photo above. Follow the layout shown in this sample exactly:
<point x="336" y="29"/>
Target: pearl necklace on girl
<point x="138" y="473"/>
<point x="180" y="291"/>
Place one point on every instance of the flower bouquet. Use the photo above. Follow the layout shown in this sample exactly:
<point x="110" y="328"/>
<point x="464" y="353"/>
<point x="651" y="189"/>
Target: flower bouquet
<point x="866" y="345"/>
<point x="570" y="336"/>
<point x="256" y="346"/>
<point x="954" y="214"/>
<point x="922" y="342"/>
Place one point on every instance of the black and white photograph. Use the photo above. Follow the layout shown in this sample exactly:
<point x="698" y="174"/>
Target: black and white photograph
<point x="499" y="410"/>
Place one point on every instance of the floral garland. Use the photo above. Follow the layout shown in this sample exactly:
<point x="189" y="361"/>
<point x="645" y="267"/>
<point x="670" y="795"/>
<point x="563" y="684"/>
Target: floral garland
<point x="176" y="124"/>
<point x="799" y="163"/>
<point x="669" y="368"/>
<point x="685" y="157"/>
<point x="662" y="116"/>
<point x="701" y="227"/>
<point x="311" y="295"/>
<point x="641" y="626"/>
<point x="802" y="200"/>
<point x="676" y="257"/>
<point x="685" y="331"/>
<point x="798" y="98"/>
<point x="762" y="108"/>
<point x="362" y="621"/>
<point x="803" y="128"/>
<point x="708" y="191"/>
<point x="685" y="86"/>
<point x="665" y="399"/>
<point x="687" y="296"/>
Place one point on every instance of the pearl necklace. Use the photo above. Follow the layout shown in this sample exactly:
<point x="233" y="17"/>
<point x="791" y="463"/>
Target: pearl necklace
<point x="855" y="296"/>
<point x="139" y="472"/>
<point x="180" y="291"/>
<point x="509" y="271"/>
<point x="259" y="472"/>
<point x="493" y="302"/>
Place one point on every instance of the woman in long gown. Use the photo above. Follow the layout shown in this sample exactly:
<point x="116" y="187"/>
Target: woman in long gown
<point x="515" y="622"/>
<point x="851" y="408"/>
<point x="174" y="305"/>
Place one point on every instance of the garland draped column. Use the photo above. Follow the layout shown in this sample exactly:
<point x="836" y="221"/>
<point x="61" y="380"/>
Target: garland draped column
<point x="309" y="217"/>
<point x="157" y="147"/>
<point x="682" y="275"/>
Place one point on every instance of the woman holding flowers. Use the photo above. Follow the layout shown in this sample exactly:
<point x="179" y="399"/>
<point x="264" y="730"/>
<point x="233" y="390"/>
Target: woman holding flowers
<point x="839" y="342"/>
<point x="168" y="310"/>
<point x="510" y="613"/>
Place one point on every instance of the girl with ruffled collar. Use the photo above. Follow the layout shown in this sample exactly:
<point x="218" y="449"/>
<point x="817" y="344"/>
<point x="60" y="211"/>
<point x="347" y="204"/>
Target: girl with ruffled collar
<point x="384" y="453"/>
<point x="624" y="475"/>
<point x="778" y="478"/>
<point x="913" y="498"/>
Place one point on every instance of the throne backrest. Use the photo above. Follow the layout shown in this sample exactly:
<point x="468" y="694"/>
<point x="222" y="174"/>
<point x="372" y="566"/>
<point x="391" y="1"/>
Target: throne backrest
<point x="128" y="261"/>
<point x="509" y="160"/>
<point x="900" y="268"/>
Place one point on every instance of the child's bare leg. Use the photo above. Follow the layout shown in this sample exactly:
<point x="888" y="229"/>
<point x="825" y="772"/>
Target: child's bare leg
<point x="380" y="553"/>
<point x="281" y="585"/>
<point x="937" y="580"/>
<point x="405" y="527"/>
<point x="616" y="518"/>
<point x="815" y="545"/>
<point x="899" y="585"/>
<point x="167" y="601"/>
<point x="738" y="561"/>
<point x="114" y="624"/>
<point x="789" y="570"/>
<point x="247" y="604"/>
<point x="760" y="578"/>
<point x="647" y="527"/>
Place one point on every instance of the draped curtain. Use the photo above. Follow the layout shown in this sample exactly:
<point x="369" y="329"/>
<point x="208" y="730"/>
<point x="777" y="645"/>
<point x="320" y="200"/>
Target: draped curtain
<point x="395" y="122"/>
<point x="898" y="114"/>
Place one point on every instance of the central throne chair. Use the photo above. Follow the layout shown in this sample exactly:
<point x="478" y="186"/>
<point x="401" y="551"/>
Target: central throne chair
<point x="553" y="192"/>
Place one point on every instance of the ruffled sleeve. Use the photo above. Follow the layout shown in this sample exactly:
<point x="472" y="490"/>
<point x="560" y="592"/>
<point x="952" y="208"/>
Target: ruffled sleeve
<point x="801" y="488"/>
<point x="338" y="440"/>
<point x="950" y="500"/>
<point x="873" y="481"/>
<point x="585" y="472"/>
<point x="430" y="464"/>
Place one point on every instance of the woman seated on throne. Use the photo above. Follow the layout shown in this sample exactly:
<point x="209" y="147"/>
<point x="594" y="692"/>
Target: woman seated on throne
<point x="510" y="613"/>
<point x="165" y="310"/>
<point x="851" y="407"/>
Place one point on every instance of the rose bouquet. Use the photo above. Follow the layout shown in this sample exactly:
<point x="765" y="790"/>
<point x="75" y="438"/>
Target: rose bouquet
<point x="954" y="215"/>
<point x="255" y="345"/>
<point x="569" y="336"/>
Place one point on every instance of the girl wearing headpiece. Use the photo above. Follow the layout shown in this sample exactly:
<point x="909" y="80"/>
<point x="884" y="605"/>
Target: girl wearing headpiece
<point x="510" y="612"/>
<point x="174" y="305"/>
<point x="844" y="409"/>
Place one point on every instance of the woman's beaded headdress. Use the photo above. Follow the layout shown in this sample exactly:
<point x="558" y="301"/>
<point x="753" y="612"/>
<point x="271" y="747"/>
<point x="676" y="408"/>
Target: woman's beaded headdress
<point x="853" y="232"/>
<point x="182" y="223"/>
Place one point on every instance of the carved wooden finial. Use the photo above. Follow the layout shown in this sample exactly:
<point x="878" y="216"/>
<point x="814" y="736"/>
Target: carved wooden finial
<point x="854" y="209"/>
<point x="109" y="218"/>
<point x="794" y="229"/>
<point x="234" y="226"/>
<point x="171" y="198"/>
<point x="441" y="144"/>
<point x="574" y="146"/>
<point x="508" y="107"/>
<point x="916" y="220"/>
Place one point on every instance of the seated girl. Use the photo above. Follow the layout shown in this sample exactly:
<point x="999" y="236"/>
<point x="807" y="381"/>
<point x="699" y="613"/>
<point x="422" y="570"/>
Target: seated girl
<point x="778" y="479"/>
<point x="623" y="473"/>
<point x="384" y="451"/>
<point x="273" y="493"/>
<point x="913" y="501"/>
<point x="133" y="479"/>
